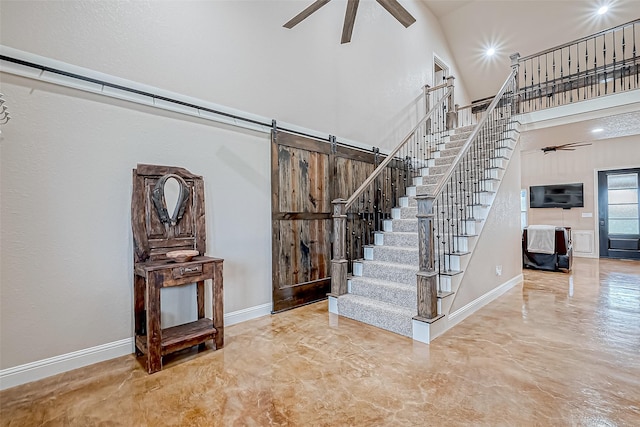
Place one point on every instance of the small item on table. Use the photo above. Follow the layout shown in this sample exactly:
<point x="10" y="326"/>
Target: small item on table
<point x="182" y="255"/>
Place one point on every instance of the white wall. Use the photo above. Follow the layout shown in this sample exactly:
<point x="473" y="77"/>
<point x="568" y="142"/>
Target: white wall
<point x="66" y="195"/>
<point x="236" y="53"/>
<point x="66" y="156"/>
<point x="499" y="244"/>
<point x="581" y="165"/>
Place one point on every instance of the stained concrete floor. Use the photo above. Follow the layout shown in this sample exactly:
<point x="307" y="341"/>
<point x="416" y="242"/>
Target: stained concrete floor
<point x="560" y="350"/>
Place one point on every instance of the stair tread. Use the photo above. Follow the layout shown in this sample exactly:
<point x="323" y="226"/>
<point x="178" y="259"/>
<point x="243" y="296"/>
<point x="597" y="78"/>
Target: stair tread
<point x="397" y="248"/>
<point x="381" y="282"/>
<point x="397" y="232"/>
<point x="379" y="304"/>
<point x="389" y="265"/>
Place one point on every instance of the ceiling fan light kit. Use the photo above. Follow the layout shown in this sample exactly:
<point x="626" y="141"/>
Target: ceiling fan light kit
<point x="391" y="6"/>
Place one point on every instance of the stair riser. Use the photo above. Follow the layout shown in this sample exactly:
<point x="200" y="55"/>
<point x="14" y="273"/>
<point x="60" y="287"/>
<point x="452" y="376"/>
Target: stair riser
<point x="444" y="283"/>
<point x="484" y="198"/>
<point x="469" y="227"/>
<point x="400" y="239"/>
<point x="404" y="213"/>
<point x="451" y="262"/>
<point x="389" y="321"/>
<point x="401" y="296"/>
<point x="401" y="225"/>
<point x="454" y="244"/>
<point x="392" y="254"/>
<point x="493" y="173"/>
<point x="388" y="272"/>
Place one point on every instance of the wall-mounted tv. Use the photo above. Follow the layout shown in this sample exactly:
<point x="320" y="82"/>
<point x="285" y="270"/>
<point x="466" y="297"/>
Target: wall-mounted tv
<point x="564" y="196"/>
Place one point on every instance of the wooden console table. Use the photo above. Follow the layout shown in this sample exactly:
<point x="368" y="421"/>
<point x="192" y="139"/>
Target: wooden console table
<point x="150" y="277"/>
<point x="156" y="232"/>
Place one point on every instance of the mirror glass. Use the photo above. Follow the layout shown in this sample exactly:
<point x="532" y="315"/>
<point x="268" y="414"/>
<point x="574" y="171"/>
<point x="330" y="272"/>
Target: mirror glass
<point x="171" y="193"/>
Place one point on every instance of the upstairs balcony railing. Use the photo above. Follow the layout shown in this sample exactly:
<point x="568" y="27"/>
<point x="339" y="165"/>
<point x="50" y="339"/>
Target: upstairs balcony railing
<point x="604" y="63"/>
<point x="601" y="64"/>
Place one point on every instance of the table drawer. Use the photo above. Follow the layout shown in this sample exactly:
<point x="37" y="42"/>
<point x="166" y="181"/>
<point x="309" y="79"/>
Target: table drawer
<point x="186" y="271"/>
<point x="184" y="274"/>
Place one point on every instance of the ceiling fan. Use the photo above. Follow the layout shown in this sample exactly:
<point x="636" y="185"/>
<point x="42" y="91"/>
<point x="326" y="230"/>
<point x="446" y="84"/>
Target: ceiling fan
<point x="564" y="147"/>
<point x="392" y="6"/>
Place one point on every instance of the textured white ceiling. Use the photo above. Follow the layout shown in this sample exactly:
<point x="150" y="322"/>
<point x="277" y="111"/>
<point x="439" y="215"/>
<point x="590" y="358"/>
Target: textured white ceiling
<point x="614" y="126"/>
<point x="524" y="26"/>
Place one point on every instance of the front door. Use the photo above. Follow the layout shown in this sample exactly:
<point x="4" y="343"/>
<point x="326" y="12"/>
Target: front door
<point x="619" y="222"/>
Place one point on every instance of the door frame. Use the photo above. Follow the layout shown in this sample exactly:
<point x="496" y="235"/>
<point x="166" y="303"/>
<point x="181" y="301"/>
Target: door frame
<point x="596" y="203"/>
<point x="437" y="60"/>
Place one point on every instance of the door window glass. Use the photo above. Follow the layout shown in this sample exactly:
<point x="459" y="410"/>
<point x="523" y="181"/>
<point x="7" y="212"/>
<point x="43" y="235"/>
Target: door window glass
<point x="623" y="203"/>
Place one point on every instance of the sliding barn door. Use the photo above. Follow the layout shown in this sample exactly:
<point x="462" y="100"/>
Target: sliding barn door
<point x="306" y="175"/>
<point x="301" y="220"/>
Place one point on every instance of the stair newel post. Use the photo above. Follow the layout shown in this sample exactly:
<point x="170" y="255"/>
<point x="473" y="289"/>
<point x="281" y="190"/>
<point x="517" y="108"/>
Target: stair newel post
<point x="452" y="115"/>
<point x="427" y="276"/>
<point x="515" y="65"/>
<point x="339" y="261"/>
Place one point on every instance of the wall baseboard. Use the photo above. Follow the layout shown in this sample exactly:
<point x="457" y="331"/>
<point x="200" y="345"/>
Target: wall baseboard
<point x="245" y="314"/>
<point x="40" y="369"/>
<point x="44" y="368"/>
<point x="462" y="313"/>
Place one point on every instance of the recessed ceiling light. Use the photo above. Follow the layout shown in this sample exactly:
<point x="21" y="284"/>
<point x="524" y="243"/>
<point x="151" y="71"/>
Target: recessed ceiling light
<point x="491" y="51"/>
<point x="597" y="130"/>
<point x="603" y="10"/>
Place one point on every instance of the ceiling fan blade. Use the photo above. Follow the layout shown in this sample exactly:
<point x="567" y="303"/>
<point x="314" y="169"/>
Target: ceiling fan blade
<point x="349" y="21"/>
<point x="305" y="13"/>
<point x="398" y="12"/>
<point x="583" y="144"/>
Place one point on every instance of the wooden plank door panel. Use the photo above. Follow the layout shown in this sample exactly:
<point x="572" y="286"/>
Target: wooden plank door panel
<point x="301" y="220"/>
<point x="306" y="175"/>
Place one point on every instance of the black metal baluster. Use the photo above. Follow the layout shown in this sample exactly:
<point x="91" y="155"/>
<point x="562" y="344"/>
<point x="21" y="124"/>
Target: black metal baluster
<point x="562" y="85"/>
<point x="546" y="75"/>
<point x="553" y="85"/>
<point x="531" y="91"/>
<point x="634" y="54"/>
<point x="438" y="233"/>
<point x="578" y="71"/>
<point x="624" y="62"/>
<point x="586" y="67"/>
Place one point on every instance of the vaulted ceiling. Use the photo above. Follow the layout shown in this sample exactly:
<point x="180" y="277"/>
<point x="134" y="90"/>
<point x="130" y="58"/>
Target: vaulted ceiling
<point x="524" y="26"/>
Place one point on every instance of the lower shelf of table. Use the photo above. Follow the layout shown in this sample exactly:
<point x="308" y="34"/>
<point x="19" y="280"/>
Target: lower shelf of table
<point x="181" y="336"/>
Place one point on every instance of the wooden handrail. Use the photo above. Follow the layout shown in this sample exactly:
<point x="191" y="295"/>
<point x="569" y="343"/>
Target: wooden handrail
<point x="391" y="155"/>
<point x="476" y="130"/>
<point x="441" y="86"/>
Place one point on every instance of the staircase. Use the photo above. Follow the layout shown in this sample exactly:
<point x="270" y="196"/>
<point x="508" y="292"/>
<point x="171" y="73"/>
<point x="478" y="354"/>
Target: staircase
<point x="382" y="289"/>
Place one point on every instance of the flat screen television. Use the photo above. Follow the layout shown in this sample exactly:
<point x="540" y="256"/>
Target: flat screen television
<point x="564" y="196"/>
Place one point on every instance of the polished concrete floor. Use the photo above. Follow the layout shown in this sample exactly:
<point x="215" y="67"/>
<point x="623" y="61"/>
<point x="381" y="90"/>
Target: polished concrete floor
<point x="560" y="350"/>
